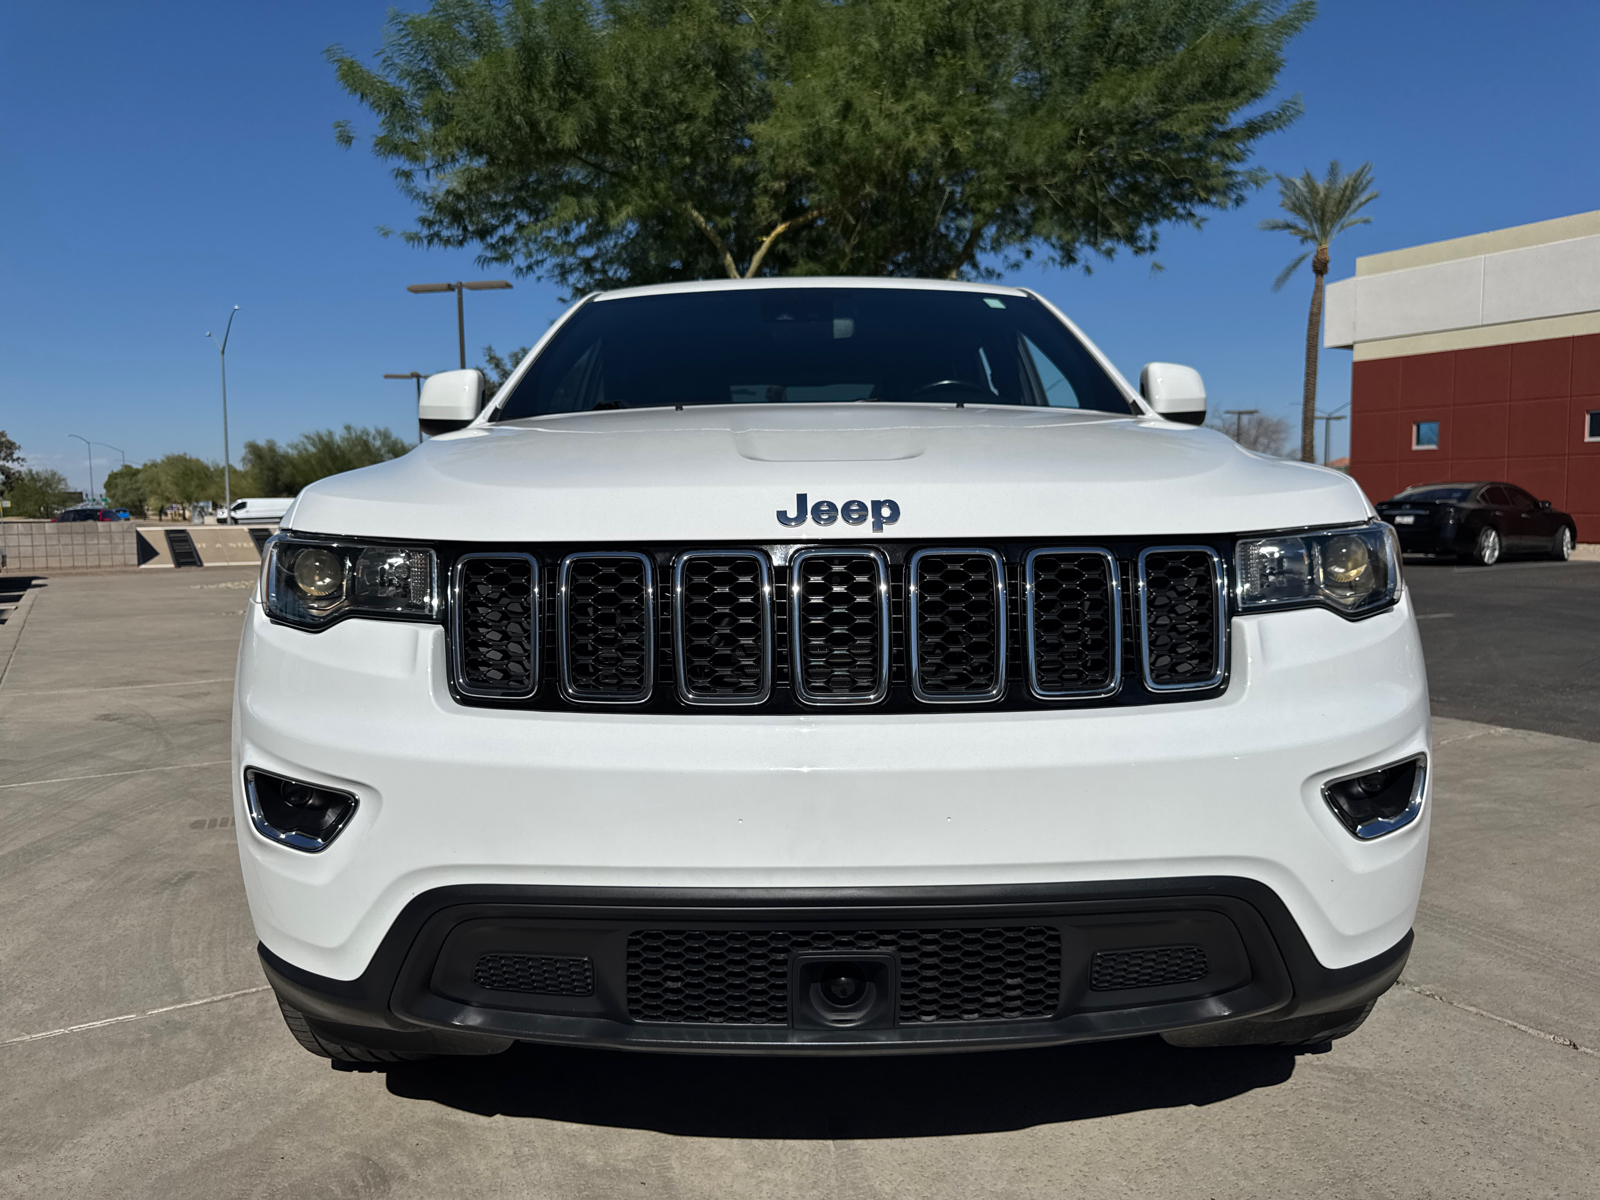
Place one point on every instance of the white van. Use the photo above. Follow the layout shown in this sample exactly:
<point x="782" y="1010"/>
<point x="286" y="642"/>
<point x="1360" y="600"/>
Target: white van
<point x="258" y="511"/>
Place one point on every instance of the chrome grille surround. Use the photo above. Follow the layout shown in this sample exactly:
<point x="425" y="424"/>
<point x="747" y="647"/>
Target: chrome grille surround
<point x="1217" y="627"/>
<point x="682" y="619"/>
<point x="463" y="648"/>
<point x="802" y="652"/>
<point x="570" y="610"/>
<point x="920" y="601"/>
<point x="1032" y="616"/>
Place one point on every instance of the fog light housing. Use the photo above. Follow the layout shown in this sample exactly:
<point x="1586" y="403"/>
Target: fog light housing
<point x="1374" y="803"/>
<point x="304" y="816"/>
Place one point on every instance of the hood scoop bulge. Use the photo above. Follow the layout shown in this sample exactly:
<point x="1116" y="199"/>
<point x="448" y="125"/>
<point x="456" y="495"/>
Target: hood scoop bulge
<point x="866" y="444"/>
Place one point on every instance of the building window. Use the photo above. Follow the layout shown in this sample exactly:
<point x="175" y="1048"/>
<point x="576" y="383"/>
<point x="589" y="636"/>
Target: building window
<point x="1591" y="427"/>
<point x="1425" y="435"/>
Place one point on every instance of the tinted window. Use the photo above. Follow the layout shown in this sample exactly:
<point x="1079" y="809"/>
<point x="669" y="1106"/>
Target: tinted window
<point x="812" y="346"/>
<point x="1425" y="435"/>
<point x="1452" y="493"/>
<point x="1496" y="496"/>
<point x="1520" y="498"/>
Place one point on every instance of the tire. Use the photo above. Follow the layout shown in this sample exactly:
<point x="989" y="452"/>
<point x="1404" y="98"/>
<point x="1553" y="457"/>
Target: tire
<point x="1486" y="547"/>
<point x="1312" y="1034"/>
<point x="310" y="1039"/>
<point x="1561" y="549"/>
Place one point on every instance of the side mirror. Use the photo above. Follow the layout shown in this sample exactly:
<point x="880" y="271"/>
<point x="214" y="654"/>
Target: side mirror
<point x="1546" y="505"/>
<point x="450" y="400"/>
<point x="1176" y="393"/>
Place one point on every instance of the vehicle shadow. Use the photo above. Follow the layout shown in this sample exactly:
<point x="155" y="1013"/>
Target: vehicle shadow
<point x="813" y="1098"/>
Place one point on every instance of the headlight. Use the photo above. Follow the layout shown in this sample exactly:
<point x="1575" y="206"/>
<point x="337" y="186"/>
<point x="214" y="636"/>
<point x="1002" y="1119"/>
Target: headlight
<point x="1352" y="571"/>
<point x="312" y="584"/>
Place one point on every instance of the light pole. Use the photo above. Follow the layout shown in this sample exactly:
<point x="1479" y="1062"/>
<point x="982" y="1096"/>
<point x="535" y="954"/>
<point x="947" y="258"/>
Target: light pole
<point x="1327" y="420"/>
<point x="471" y="285"/>
<point x="109" y="446"/>
<point x="227" y="465"/>
<point x="1241" y="414"/>
<point x="419" y="377"/>
<point x="88" y="450"/>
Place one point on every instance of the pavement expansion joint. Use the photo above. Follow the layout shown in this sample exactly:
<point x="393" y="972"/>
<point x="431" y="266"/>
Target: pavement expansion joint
<point x="1420" y="990"/>
<point x="137" y="1016"/>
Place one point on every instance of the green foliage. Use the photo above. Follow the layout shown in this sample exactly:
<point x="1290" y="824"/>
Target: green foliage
<point x="180" y="479"/>
<point x="497" y="369"/>
<point x="1320" y="210"/>
<point x="273" y="470"/>
<point x="603" y="142"/>
<point x="10" y="460"/>
<point x="36" y="492"/>
<point x="126" y="488"/>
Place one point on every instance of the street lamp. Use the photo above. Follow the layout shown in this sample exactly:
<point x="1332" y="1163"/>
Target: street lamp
<point x="227" y="466"/>
<point x="1241" y="414"/>
<point x="473" y="285"/>
<point x="1327" y="420"/>
<point x="419" y="377"/>
<point x="88" y="450"/>
<point x="109" y="446"/>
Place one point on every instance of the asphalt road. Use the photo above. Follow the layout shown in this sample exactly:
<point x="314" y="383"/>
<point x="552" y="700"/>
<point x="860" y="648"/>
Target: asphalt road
<point x="140" y="1055"/>
<point x="1514" y="644"/>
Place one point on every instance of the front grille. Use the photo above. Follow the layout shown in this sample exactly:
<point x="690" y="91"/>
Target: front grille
<point x="741" y="976"/>
<point x="607" y="636"/>
<point x="1182" y="599"/>
<point x="497" y="625"/>
<point x="891" y="627"/>
<point x="1154" y="966"/>
<point x="1074" y="622"/>
<point x="541" y="974"/>
<point x="958" y="625"/>
<point x="839" y="616"/>
<point x="723" y="624"/>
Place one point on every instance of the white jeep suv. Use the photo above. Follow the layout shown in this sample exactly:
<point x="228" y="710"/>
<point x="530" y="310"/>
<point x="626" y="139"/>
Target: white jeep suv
<point x="828" y="665"/>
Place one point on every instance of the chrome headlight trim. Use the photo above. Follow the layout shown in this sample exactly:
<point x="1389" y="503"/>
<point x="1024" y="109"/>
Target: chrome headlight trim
<point x="284" y="608"/>
<point x="1315" y="593"/>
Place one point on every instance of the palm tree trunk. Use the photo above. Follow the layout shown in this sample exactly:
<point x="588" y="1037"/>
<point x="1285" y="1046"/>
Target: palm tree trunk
<point x="1308" y="409"/>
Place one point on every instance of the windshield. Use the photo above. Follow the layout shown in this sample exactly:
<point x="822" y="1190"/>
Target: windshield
<point x="1456" y="492"/>
<point x="812" y="346"/>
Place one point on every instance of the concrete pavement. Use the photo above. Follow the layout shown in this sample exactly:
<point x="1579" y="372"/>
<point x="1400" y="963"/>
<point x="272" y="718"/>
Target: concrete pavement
<point x="120" y="893"/>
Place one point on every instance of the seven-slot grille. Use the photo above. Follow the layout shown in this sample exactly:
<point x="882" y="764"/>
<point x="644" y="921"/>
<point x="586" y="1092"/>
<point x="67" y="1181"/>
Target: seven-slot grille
<point x="839" y="625"/>
<point x="741" y="976"/>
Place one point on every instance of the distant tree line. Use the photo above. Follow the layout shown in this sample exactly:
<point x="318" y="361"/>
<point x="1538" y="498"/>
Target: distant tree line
<point x="267" y="469"/>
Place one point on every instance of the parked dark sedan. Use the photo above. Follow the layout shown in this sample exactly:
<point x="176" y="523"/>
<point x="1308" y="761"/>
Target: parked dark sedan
<point x="1478" y="522"/>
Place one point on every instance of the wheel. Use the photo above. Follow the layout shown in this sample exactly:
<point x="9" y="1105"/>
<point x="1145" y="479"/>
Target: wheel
<point x="1486" y="550"/>
<point x="1312" y="1034"/>
<point x="307" y="1035"/>
<point x="1561" y="550"/>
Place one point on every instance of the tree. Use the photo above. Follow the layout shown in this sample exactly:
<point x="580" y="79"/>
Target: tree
<point x="603" y="142"/>
<point x="275" y="470"/>
<point x="1320" y="210"/>
<point x="39" y="492"/>
<point x="127" y="487"/>
<point x="11" y="461"/>
<point x="497" y="369"/>
<point x="1254" y="431"/>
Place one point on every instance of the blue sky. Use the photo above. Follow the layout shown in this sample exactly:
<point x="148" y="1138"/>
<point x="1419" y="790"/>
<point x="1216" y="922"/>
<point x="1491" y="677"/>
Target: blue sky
<point x="161" y="163"/>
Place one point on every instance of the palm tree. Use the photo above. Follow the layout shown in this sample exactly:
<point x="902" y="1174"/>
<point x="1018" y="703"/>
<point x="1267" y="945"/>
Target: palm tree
<point x="1320" y="209"/>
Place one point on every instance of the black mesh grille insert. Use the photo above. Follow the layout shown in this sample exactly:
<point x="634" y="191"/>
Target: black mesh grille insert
<point x="542" y="974"/>
<point x="1074" y="631"/>
<point x="959" y="634"/>
<point x="1154" y="966"/>
<point x="607" y="640"/>
<point x="724" y="627"/>
<point x="838" y="619"/>
<point x="1180" y="633"/>
<point x="497" y="626"/>
<point x="741" y="976"/>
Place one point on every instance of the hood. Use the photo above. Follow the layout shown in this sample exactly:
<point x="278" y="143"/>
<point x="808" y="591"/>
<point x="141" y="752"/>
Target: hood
<point x="727" y="472"/>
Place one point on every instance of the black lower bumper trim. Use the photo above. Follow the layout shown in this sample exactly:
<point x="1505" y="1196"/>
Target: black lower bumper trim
<point x="422" y="976"/>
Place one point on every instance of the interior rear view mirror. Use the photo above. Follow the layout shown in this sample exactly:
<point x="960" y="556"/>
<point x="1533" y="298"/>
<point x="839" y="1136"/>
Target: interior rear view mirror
<point x="450" y="400"/>
<point x="1175" y="392"/>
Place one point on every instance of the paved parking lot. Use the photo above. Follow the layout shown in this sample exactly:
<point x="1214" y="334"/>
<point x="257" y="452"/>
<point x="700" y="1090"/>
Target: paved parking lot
<point x="140" y="1055"/>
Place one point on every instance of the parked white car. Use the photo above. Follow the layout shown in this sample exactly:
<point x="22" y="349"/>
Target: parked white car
<point x="258" y="510"/>
<point x="831" y="665"/>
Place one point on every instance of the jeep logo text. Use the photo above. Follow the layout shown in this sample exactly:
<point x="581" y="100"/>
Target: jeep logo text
<point x="852" y="512"/>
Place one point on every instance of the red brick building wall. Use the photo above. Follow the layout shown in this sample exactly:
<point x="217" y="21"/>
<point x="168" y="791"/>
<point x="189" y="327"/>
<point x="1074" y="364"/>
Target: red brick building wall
<point x="1513" y="413"/>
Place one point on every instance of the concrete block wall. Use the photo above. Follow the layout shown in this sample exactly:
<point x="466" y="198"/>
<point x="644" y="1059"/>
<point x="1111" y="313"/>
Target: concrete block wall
<point x="77" y="545"/>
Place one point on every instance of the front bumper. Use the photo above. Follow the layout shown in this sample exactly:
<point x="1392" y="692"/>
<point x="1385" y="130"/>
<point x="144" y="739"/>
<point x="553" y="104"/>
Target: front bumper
<point x="453" y="797"/>
<point x="420" y="984"/>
